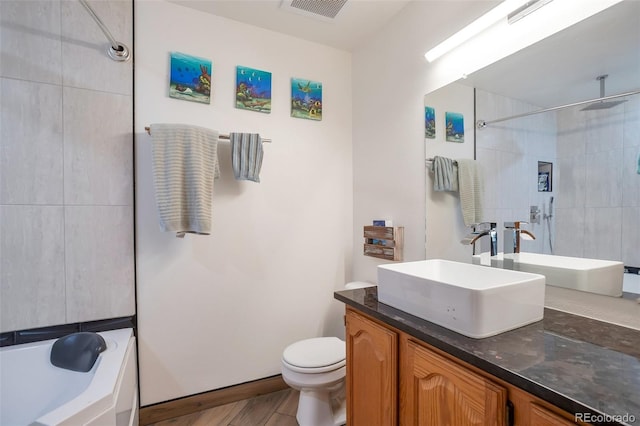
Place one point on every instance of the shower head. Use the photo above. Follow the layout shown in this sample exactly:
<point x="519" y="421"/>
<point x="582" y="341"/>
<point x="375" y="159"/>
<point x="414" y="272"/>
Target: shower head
<point x="602" y="104"/>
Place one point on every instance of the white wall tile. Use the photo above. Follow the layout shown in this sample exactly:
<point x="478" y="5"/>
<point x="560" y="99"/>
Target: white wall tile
<point x="604" y="130"/>
<point x="30" y="40"/>
<point x="603" y="227"/>
<point x="31" y="144"/>
<point x="631" y="177"/>
<point x="98" y="153"/>
<point x="570" y="232"/>
<point x="631" y="236"/>
<point x="603" y="179"/>
<point x="632" y="122"/>
<point x="32" y="288"/>
<point x="570" y="182"/>
<point x="99" y="262"/>
<point x="84" y="59"/>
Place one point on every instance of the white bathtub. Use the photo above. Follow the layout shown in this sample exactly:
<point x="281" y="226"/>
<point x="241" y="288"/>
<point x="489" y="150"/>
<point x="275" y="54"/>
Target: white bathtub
<point x="34" y="392"/>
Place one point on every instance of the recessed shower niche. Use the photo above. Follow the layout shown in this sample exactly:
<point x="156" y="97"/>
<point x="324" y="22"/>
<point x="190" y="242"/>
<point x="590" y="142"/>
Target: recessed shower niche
<point x="545" y="176"/>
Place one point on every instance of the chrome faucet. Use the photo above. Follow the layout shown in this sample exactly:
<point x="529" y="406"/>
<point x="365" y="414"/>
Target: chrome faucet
<point x="487" y="244"/>
<point x="512" y="236"/>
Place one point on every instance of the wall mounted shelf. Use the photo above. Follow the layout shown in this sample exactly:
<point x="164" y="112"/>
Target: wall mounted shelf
<point x="384" y="242"/>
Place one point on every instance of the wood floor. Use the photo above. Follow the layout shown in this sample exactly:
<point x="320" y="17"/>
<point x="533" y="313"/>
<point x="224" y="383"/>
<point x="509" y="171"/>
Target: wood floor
<point x="273" y="409"/>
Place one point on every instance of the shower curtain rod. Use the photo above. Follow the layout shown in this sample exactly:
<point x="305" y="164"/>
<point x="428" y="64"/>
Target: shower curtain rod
<point x="117" y="51"/>
<point x="481" y="124"/>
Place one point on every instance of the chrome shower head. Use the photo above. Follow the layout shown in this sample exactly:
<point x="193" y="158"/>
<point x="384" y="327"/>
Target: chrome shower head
<point x="602" y="104"/>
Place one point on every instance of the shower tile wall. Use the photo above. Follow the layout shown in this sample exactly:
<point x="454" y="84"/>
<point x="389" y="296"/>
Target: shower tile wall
<point x="595" y="182"/>
<point x="508" y="153"/>
<point x="66" y="155"/>
<point x="598" y="186"/>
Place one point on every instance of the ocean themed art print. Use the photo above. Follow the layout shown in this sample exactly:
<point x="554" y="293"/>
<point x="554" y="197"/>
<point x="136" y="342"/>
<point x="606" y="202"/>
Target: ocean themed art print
<point x="455" y="126"/>
<point x="429" y="123"/>
<point x="253" y="89"/>
<point x="306" y="99"/>
<point x="190" y="78"/>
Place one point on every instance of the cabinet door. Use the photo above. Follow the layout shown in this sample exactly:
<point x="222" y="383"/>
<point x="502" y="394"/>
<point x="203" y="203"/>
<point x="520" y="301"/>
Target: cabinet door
<point x="540" y="416"/>
<point x="372" y="384"/>
<point x="436" y="391"/>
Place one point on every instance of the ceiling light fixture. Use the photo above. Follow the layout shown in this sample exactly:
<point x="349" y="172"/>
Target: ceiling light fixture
<point x="476" y="27"/>
<point x="526" y="9"/>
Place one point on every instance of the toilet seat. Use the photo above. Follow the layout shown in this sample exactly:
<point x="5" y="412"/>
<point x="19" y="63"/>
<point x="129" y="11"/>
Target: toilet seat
<point x="316" y="355"/>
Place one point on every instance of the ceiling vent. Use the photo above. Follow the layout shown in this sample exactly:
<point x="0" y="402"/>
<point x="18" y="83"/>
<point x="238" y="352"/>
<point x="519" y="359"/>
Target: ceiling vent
<point x="325" y="10"/>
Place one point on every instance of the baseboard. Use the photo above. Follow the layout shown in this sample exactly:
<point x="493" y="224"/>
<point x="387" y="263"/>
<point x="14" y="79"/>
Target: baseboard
<point x="203" y="401"/>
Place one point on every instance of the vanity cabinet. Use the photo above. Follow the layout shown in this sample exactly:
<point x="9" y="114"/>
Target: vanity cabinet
<point x="372" y="380"/>
<point x="395" y="379"/>
<point x="437" y="392"/>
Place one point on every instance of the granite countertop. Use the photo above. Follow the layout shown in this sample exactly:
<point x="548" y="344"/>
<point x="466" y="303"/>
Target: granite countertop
<point x="576" y="363"/>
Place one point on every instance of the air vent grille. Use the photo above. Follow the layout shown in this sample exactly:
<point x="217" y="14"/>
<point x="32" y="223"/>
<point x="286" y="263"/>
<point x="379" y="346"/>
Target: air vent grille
<point x="326" y="8"/>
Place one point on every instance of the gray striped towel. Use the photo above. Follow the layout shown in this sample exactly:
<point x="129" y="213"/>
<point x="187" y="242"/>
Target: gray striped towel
<point x="185" y="162"/>
<point x="445" y="174"/>
<point x="246" y="156"/>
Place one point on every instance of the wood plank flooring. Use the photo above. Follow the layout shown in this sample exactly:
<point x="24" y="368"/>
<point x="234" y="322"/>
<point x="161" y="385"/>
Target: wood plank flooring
<point x="273" y="409"/>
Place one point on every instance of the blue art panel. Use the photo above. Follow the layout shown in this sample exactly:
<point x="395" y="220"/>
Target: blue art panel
<point x="306" y="99"/>
<point x="190" y="78"/>
<point x="455" y="127"/>
<point x="253" y="89"/>
<point x="429" y="123"/>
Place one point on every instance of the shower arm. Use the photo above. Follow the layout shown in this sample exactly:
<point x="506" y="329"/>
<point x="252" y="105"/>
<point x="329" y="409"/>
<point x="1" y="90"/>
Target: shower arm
<point x="481" y="124"/>
<point x="117" y="51"/>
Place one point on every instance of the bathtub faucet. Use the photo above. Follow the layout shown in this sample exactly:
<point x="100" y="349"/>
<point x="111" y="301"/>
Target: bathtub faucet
<point x="513" y="235"/>
<point x="483" y="229"/>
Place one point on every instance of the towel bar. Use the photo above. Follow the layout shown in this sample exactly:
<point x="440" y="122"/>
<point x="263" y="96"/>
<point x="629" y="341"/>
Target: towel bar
<point x="430" y="160"/>
<point x="223" y="137"/>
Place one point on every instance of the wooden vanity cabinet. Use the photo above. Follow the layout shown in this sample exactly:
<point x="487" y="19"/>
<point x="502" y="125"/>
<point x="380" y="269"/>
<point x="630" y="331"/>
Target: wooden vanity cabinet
<point x="395" y="379"/>
<point x="437" y="392"/>
<point x="372" y="379"/>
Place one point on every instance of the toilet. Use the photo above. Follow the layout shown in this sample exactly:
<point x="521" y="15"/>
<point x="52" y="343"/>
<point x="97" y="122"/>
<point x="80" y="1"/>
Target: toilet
<point x="317" y="367"/>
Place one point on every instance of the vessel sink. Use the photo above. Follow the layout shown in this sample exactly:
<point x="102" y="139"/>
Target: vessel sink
<point x="472" y="300"/>
<point x="591" y="275"/>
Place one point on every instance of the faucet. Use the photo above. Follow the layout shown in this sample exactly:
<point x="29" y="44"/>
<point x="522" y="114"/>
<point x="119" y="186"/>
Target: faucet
<point x="512" y="235"/>
<point x="488" y="244"/>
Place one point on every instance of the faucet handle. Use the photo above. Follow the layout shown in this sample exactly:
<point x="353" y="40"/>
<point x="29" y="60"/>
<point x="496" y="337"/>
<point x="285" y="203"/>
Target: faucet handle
<point x="484" y="226"/>
<point x="514" y="225"/>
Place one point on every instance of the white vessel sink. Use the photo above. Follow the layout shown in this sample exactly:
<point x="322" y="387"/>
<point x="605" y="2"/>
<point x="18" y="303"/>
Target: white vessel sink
<point x="576" y="273"/>
<point x="469" y="299"/>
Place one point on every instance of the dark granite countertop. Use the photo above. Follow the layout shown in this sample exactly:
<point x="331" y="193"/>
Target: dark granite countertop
<point x="576" y="363"/>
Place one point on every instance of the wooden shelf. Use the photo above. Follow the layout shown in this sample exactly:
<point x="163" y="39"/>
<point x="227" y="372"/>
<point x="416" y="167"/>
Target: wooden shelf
<point x="384" y="242"/>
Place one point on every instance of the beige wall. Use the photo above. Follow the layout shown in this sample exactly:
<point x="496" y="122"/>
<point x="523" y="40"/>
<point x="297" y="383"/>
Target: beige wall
<point x="218" y="310"/>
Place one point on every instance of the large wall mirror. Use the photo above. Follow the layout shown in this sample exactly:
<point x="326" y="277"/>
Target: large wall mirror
<point x="592" y="208"/>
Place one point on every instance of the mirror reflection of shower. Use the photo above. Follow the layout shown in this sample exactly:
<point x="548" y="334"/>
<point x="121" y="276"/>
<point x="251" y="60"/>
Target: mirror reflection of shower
<point x="546" y="217"/>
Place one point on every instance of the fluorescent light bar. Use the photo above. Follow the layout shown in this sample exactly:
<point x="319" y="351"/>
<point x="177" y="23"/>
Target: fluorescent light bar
<point x="526" y="9"/>
<point x="474" y="28"/>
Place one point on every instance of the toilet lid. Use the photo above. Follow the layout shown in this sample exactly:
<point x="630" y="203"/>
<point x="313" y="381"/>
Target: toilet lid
<point x="316" y="352"/>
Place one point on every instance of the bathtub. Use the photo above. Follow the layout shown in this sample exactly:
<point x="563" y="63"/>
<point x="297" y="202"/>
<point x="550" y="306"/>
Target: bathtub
<point x="34" y="392"/>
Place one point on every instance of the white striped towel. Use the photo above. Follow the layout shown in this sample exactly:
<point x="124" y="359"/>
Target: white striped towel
<point x="246" y="156"/>
<point x="470" y="189"/>
<point x="185" y="162"/>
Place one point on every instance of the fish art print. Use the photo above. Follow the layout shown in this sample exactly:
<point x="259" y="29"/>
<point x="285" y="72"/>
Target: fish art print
<point x="190" y="78"/>
<point x="306" y="99"/>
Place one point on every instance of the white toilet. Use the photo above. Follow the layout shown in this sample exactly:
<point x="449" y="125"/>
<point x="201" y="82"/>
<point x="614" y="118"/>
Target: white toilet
<point x="317" y="367"/>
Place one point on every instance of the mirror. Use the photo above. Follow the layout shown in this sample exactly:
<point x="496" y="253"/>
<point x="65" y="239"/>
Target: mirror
<point x="589" y="157"/>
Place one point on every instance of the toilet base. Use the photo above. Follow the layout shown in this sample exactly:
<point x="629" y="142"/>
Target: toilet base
<point x="322" y="408"/>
